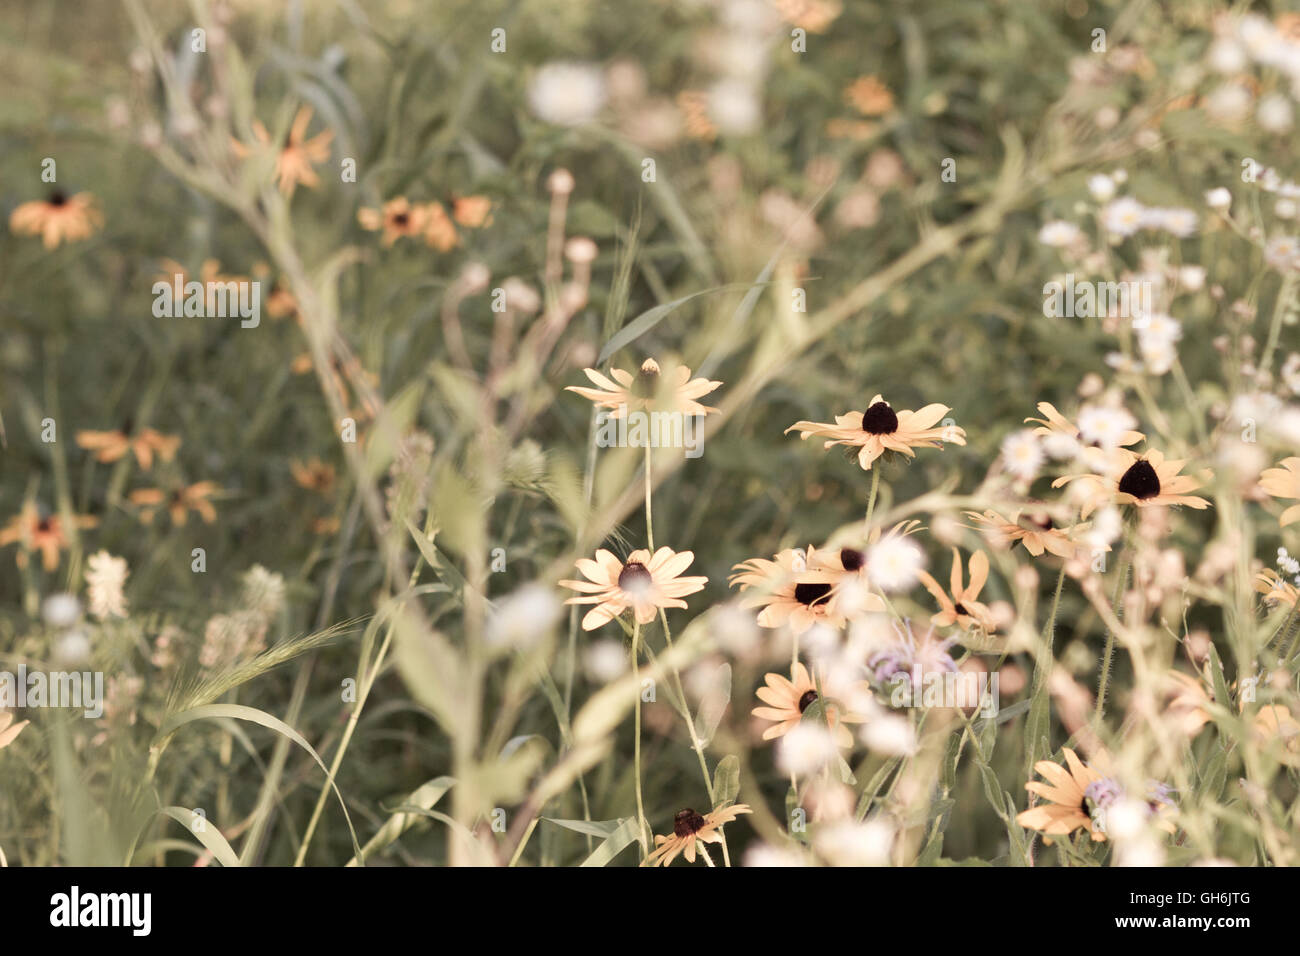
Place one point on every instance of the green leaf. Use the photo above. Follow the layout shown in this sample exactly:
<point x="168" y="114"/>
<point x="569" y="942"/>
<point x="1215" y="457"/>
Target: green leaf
<point x="726" y="781"/>
<point x="207" y="834"/>
<point x="426" y="796"/>
<point x="648" y="319"/>
<point x="596" y="828"/>
<point x="252" y="714"/>
<point x="614" y="844"/>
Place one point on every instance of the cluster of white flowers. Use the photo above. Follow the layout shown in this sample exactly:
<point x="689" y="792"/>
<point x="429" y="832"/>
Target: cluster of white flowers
<point x="1288" y="565"/>
<point x="1125" y="216"/>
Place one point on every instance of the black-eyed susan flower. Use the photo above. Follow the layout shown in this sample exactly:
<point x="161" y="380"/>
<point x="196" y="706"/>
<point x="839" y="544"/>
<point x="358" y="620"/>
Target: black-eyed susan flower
<point x="792" y="588"/>
<point x="690" y="826"/>
<point x="785" y="700"/>
<point x="644" y="583"/>
<point x="109" y="446"/>
<point x="1068" y="807"/>
<point x="295" y="161"/>
<point x="1275" y="588"/>
<point x="439" y="230"/>
<point x="179" y="503"/>
<point x="1284" y="482"/>
<point x="472" y="212"/>
<point x="1276" y="723"/>
<point x="850" y="579"/>
<point x="622" y="391"/>
<point x="1032" y="528"/>
<point x="962" y="606"/>
<point x="397" y="218"/>
<point x="1143" y="481"/>
<point x="880" y="429"/>
<point x="44" y="533"/>
<point x="58" y="218"/>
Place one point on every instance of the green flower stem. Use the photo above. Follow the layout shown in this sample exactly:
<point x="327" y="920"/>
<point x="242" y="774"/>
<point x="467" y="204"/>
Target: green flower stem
<point x="1109" y="652"/>
<point x="636" y="746"/>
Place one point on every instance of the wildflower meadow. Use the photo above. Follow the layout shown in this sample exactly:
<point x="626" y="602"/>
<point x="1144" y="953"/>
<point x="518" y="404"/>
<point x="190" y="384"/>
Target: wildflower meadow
<point x="714" y="433"/>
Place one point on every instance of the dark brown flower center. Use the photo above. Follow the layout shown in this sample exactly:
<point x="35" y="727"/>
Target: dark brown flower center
<point x="879" y="419"/>
<point x="43" y="526"/>
<point x="634" y="577"/>
<point x="687" y="822"/>
<point x="806" y="700"/>
<point x="809" y="594"/>
<point x="960" y="608"/>
<point x="57" y="198"/>
<point x="401" y="219"/>
<point x="1140" y="481"/>
<point x="852" y="559"/>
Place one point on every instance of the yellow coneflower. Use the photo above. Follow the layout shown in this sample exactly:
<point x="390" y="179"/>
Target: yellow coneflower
<point x="963" y="606"/>
<point x="397" y="218"/>
<point x="793" y="588"/>
<point x="8" y="734"/>
<point x="786" y="699"/>
<point x="1033" y="529"/>
<point x="439" y="230"/>
<point x="690" y="826"/>
<point x="44" y="534"/>
<point x="111" y="445"/>
<point x="58" y="218"/>
<point x="179" y="503"/>
<point x="623" y="392"/>
<point x="1275" y="722"/>
<point x="847" y="568"/>
<point x="1275" y="588"/>
<point x="1284" y="482"/>
<point x="880" y="429"/>
<point x="297" y="156"/>
<point x="1142" y="481"/>
<point x="644" y="583"/>
<point x="472" y="212"/>
<point x="1067" y="809"/>
<point x="869" y="96"/>
<point x="314" y="475"/>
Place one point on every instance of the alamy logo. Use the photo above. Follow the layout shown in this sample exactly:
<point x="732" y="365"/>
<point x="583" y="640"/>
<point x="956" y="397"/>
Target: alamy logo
<point x="1088" y="300"/>
<point x="84" y="689"/>
<point x="213" y="299"/>
<point x="941" y="688"/>
<point x="132" y="910"/>
<point x="625" y="428"/>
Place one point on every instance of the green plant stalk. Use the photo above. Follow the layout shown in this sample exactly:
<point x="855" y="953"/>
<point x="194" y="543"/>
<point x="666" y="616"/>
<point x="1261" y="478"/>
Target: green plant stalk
<point x="636" y="740"/>
<point x="1109" y="652"/>
<point x="354" y="718"/>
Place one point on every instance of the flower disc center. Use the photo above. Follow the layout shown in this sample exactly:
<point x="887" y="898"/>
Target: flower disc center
<point x="1140" y="481"/>
<point x="879" y="419"/>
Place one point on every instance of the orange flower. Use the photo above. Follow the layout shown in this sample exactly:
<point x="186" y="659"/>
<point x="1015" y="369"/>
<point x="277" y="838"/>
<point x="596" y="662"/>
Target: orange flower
<point x="880" y="429"/>
<point x="397" y="218"/>
<point x="963" y="607"/>
<point x="689" y="828"/>
<point x="439" y="231"/>
<point x="110" y="446"/>
<point x="1140" y="481"/>
<point x="787" y="700"/>
<point x="297" y="156"/>
<point x="1284" y="482"/>
<point x="8" y="734"/>
<point x="313" y="475"/>
<point x="473" y="212"/>
<point x="1033" y="529"/>
<point x="58" y="218"/>
<point x="644" y="584"/>
<point x="46" y="535"/>
<point x="869" y="96"/>
<point x="178" y="503"/>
